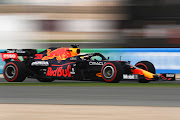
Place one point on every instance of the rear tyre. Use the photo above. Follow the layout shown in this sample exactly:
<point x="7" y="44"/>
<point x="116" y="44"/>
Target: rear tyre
<point x="112" y="72"/>
<point x="14" y="71"/>
<point x="148" y="66"/>
<point x="45" y="80"/>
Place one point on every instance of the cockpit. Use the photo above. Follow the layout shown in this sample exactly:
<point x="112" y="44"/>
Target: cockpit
<point x="93" y="57"/>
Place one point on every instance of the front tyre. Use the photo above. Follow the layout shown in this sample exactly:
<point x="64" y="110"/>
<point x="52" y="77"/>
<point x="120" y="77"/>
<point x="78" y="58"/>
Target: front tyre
<point x="112" y="72"/>
<point x="14" y="71"/>
<point x="148" y="66"/>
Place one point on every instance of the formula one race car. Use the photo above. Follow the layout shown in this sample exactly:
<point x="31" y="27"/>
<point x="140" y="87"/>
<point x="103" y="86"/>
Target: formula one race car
<point x="68" y="63"/>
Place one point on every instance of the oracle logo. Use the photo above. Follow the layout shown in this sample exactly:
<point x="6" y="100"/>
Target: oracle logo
<point x="97" y="63"/>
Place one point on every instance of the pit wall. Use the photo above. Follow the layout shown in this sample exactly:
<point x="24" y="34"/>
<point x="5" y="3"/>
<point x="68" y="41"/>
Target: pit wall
<point x="165" y="60"/>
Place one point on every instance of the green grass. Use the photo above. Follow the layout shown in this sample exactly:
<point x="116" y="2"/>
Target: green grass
<point x="95" y="84"/>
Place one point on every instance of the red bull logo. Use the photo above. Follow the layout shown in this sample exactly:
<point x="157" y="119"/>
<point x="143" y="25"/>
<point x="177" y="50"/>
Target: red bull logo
<point x="59" y="72"/>
<point x="59" y="54"/>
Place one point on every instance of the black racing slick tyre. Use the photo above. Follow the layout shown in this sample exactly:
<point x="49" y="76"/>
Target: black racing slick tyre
<point x="112" y="72"/>
<point x="45" y="80"/>
<point x="14" y="71"/>
<point x="148" y="66"/>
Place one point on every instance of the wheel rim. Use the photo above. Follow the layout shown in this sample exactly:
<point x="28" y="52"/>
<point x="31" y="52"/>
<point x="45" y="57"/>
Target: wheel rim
<point x="10" y="71"/>
<point x="108" y="72"/>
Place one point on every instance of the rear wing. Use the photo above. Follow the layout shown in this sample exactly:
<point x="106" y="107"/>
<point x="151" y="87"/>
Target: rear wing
<point x="15" y="53"/>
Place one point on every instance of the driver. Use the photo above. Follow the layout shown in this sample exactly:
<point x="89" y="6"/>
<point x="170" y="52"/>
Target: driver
<point x="87" y="58"/>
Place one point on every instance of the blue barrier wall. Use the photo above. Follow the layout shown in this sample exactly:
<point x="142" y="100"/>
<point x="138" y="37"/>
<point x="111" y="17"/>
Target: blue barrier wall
<point x="1" y="63"/>
<point x="166" y="60"/>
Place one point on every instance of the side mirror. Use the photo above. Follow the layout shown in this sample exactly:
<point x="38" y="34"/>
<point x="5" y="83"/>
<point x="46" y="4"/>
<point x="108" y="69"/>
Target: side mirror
<point x="108" y="58"/>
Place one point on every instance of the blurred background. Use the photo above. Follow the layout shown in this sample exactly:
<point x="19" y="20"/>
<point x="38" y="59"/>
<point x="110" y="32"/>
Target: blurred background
<point x="89" y="23"/>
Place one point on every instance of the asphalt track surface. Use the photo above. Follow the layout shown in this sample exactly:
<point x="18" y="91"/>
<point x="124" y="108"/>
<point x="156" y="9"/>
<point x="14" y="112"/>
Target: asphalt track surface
<point x="124" y="96"/>
<point x="28" y="80"/>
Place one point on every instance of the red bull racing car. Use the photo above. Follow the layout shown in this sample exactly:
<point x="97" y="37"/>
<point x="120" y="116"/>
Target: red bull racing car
<point x="68" y="63"/>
